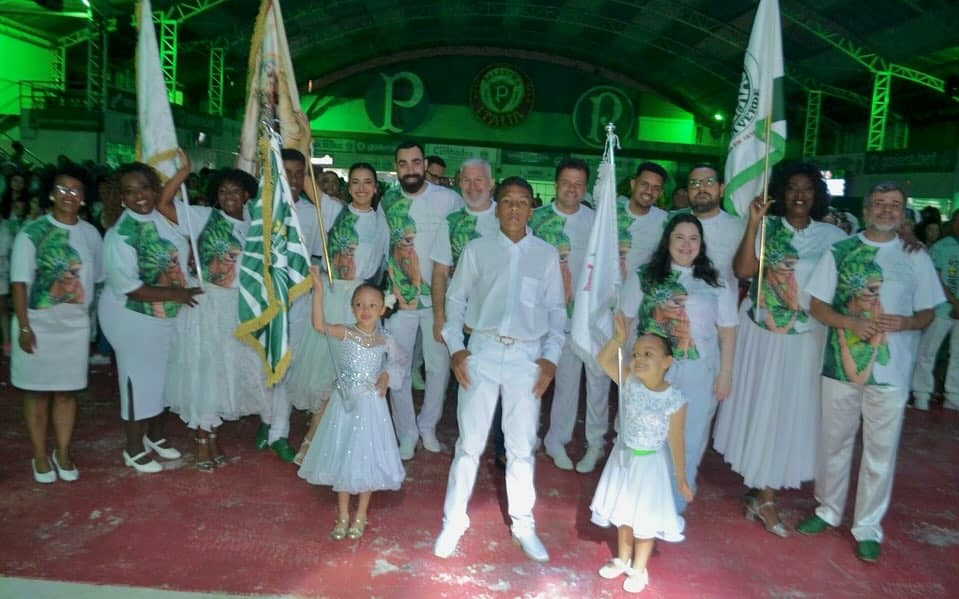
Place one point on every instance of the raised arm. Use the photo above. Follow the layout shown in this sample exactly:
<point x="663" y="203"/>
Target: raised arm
<point x="746" y="264"/>
<point x="608" y="357"/>
<point x="172" y="187"/>
<point x="319" y="322"/>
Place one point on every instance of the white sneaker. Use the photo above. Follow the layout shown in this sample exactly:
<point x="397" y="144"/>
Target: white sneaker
<point x="560" y="459"/>
<point x="635" y="581"/>
<point x="431" y="443"/>
<point x="588" y="463"/>
<point x="921" y="403"/>
<point x="532" y="547"/>
<point x="167" y="453"/>
<point x="614" y="568"/>
<point x="446" y="543"/>
<point x="100" y="360"/>
<point x="407" y="450"/>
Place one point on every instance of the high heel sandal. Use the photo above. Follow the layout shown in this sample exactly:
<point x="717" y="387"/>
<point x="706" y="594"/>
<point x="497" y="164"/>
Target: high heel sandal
<point x="357" y="528"/>
<point x="340" y="529"/>
<point x="754" y="512"/>
<point x="301" y="452"/>
<point x="220" y="458"/>
<point x="203" y="465"/>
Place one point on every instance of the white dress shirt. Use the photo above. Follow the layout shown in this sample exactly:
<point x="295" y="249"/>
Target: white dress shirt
<point x="507" y="289"/>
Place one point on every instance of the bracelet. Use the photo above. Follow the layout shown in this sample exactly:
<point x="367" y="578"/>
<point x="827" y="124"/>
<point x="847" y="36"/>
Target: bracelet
<point x="26" y="330"/>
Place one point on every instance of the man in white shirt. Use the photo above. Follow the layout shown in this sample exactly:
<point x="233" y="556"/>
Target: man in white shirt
<point x="275" y="426"/>
<point x="640" y="221"/>
<point x="415" y="212"/>
<point x="875" y="298"/>
<point x="566" y="225"/>
<point x="507" y="288"/>
<point x="722" y="231"/>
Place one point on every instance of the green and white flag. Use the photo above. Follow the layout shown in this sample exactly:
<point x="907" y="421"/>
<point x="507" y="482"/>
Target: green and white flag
<point x="274" y="269"/>
<point x="760" y="95"/>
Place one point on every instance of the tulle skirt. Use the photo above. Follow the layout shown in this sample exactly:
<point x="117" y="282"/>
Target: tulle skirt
<point x="768" y="428"/>
<point x="211" y="375"/>
<point x="355" y="450"/>
<point x="636" y="491"/>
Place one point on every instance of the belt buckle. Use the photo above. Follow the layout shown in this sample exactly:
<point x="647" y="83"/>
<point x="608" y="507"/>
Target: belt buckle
<point x="505" y="340"/>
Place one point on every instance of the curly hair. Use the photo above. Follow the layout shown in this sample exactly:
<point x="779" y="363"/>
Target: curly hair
<point x="660" y="265"/>
<point x="148" y="172"/>
<point x="780" y="180"/>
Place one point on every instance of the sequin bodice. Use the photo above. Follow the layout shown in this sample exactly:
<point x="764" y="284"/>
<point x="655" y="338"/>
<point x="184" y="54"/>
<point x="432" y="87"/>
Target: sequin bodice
<point x="362" y="359"/>
<point x="646" y="414"/>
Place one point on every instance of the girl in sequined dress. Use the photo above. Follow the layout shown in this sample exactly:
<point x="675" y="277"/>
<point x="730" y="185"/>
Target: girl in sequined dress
<point x="635" y="493"/>
<point x="354" y="449"/>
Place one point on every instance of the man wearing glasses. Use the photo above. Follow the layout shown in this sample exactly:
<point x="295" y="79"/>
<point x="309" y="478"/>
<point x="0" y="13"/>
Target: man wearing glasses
<point x="721" y="230"/>
<point x="875" y="297"/>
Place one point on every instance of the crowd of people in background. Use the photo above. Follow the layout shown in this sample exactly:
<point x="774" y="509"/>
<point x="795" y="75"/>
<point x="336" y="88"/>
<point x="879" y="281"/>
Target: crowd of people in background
<point x="479" y="283"/>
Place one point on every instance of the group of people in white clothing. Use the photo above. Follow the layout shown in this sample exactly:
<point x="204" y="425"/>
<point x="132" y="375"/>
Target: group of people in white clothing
<point x="827" y="340"/>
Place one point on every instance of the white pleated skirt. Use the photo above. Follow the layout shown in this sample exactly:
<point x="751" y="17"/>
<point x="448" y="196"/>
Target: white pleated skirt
<point x="211" y="375"/>
<point x="768" y="428"/>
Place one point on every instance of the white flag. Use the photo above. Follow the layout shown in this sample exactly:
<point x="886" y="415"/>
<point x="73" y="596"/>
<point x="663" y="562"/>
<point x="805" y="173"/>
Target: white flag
<point x="157" y="142"/>
<point x="595" y="298"/>
<point x="760" y="95"/>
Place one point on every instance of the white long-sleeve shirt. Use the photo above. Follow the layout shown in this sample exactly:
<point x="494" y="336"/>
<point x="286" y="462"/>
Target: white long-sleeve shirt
<point x="508" y="289"/>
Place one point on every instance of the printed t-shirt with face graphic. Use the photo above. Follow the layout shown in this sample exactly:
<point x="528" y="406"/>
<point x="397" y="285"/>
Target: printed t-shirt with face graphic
<point x="462" y="227"/>
<point x="863" y="278"/>
<point x="358" y="242"/>
<point x="569" y="234"/>
<point x="638" y="235"/>
<point x="945" y="256"/>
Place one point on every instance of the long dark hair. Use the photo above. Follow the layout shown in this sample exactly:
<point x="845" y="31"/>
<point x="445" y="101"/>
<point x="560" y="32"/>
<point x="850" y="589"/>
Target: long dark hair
<point x="365" y="166"/>
<point x="6" y="201"/>
<point x="780" y="179"/>
<point x="660" y="265"/>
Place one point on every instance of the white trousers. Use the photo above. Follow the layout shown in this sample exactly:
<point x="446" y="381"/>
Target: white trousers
<point x="694" y="379"/>
<point x="881" y="410"/>
<point x="277" y="408"/>
<point x="562" y="415"/>
<point x="496" y="369"/>
<point x="402" y="325"/>
<point x="923" y="383"/>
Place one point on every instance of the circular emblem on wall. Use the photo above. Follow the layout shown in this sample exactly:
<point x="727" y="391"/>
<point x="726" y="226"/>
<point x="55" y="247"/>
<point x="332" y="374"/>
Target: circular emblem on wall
<point x="747" y="104"/>
<point x="501" y="96"/>
<point x="598" y="106"/>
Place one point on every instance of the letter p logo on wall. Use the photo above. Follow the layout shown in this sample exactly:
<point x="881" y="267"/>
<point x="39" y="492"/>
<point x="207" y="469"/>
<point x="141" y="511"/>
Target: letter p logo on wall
<point x="396" y="102"/>
<point x="598" y="106"/>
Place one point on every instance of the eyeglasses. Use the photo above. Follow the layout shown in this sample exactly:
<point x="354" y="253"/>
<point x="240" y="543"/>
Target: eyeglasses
<point x="66" y="191"/>
<point x="697" y="183"/>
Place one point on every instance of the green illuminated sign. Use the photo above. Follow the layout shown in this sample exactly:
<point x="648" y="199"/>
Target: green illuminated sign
<point x="501" y="96"/>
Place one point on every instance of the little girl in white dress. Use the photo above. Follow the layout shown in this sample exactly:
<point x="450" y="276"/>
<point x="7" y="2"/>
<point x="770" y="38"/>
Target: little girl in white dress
<point x="354" y="449"/>
<point x="635" y="492"/>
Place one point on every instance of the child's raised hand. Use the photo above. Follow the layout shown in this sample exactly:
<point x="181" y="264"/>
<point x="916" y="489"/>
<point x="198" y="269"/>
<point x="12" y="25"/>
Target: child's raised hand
<point x="685" y="491"/>
<point x="382" y="382"/>
<point x="317" y="277"/>
<point x="619" y="327"/>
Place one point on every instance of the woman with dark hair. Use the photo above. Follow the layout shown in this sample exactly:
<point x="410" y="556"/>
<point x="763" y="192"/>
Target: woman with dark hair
<point x="768" y="428"/>
<point x="146" y="260"/>
<point x="212" y="376"/>
<point x="357" y="242"/>
<point x="56" y="264"/>
<point x="679" y="294"/>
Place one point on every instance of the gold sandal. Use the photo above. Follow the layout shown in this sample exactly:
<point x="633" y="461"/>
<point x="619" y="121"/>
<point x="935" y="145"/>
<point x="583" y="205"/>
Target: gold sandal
<point x="339" y="530"/>
<point x="301" y="453"/>
<point x="202" y="465"/>
<point x="356" y="529"/>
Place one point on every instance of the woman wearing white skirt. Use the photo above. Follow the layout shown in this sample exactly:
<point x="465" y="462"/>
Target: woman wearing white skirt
<point x="357" y="241"/>
<point x="56" y="265"/>
<point x="211" y="375"/>
<point x="768" y="429"/>
<point x="145" y="259"/>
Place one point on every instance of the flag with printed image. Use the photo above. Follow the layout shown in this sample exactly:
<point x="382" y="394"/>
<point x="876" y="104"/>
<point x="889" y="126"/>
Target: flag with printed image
<point x="599" y="280"/>
<point x="274" y="269"/>
<point x="760" y="96"/>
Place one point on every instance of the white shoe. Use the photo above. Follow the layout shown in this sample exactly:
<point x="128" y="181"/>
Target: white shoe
<point x="635" y="581"/>
<point x="560" y="459"/>
<point x="614" y="568"/>
<point x="100" y="360"/>
<point x="44" y="478"/>
<point x="407" y="450"/>
<point x="167" y="453"/>
<point x="431" y="443"/>
<point x="921" y="404"/>
<point x="532" y="547"/>
<point x="446" y="543"/>
<point x="588" y="463"/>
<point x="65" y="475"/>
<point x="149" y="468"/>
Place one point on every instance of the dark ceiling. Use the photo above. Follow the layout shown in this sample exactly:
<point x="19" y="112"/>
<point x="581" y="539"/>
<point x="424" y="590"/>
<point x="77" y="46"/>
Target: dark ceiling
<point x="689" y="51"/>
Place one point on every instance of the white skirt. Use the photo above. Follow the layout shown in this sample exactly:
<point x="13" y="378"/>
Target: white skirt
<point x="312" y="376"/>
<point x="355" y="451"/>
<point x="142" y="347"/>
<point x="638" y="493"/>
<point x="211" y="375"/>
<point x="59" y="361"/>
<point x="768" y="428"/>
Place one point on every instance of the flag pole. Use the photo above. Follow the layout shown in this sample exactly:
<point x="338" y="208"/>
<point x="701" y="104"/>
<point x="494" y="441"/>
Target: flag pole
<point x="189" y="231"/>
<point x="762" y="223"/>
<point x="319" y="220"/>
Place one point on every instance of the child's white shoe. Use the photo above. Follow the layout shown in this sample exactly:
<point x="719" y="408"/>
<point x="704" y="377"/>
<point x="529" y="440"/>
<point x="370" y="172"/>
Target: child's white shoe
<point x="613" y="568"/>
<point x="636" y="580"/>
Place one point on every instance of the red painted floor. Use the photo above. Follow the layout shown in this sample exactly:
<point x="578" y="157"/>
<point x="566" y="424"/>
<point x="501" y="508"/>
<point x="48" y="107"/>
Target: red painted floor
<point x="253" y="527"/>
